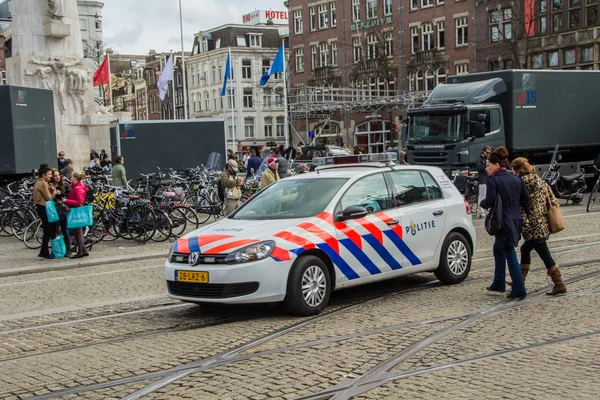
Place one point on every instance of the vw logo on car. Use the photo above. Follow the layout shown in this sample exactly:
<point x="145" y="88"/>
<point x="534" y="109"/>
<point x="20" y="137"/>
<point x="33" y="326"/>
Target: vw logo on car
<point x="194" y="258"/>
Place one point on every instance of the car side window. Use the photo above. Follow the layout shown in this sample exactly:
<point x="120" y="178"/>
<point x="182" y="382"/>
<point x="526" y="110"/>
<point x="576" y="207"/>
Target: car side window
<point x="370" y="192"/>
<point x="433" y="188"/>
<point x="409" y="187"/>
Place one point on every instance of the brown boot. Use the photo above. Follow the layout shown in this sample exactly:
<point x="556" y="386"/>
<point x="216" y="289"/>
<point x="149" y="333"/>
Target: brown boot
<point x="524" y="271"/>
<point x="559" y="284"/>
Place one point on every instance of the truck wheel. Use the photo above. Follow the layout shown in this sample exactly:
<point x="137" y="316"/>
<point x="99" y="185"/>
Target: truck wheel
<point x="309" y="286"/>
<point x="455" y="259"/>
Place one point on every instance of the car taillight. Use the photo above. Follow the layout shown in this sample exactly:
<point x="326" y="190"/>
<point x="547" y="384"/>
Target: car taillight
<point x="467" y="207"/>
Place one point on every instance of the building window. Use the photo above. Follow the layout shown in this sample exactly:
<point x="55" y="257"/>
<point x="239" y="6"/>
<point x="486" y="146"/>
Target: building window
<point x="389" y="44"/>
<point x="247" y="98"/>
<point x="414" y="4"/>
<point x="214" y="73"/>
<point x="427" y="34"/>
<point x="98" y="25"/>
<point x="246" y="69"/>
<point x="411" y="81"/>
<point x="441" y="76"/>
<point x="314" y="57"/>
<point x="536" y="61"/>
<point x="324" y="54"/>
<point x="280" y="127"/>
<point x="569" y="56"/>
<point x="414" y="33"/>
<point x="323" y="16"/>
<point x="249" y="127"/>
<point x="500" y="25"/>
<point x="420" y="86"/>
<point x="429" y="80"/>
<point x="371" y="46"/>
<point x="220" y="74"/>
<point x="587" y="54"/>
<point x="231" y="96"/>
<point x="313" y="18"/>
<point x="426" y="3"/>
<point x="299" y="56"/>
<point x="218" y="43"/>
<point x="574" y="13"/>
<point x="230" y="129"/>
<point x="267" y="98"/>
<point x="333" y="18"/>
<point x="441" y="39"/>
<point x="215" y="100"/>
<point x="592" y="13"/>
<point x="206" y="101"/>
<point x="298" y="28"/>
<point x="462" y="69"/>
<point x="355" y="10"/>
<point x="356" y="49"/>
<point x="203" y="45"/>
<point x="268" y="127"/>
<point x="543" y="25"/>
<point x="334" y="53"/>
<point x="255" y="40"/>
<point x="440" y="2"/>
<point x="553" y="59"/>
<point x="83" y="24"/>
<point x="462" y="31"/>
<point x="371" y="9"/>
<point x="387" y="7"/>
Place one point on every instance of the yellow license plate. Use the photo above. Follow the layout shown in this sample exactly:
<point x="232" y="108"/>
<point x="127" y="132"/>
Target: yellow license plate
<point x="192" y="276"/>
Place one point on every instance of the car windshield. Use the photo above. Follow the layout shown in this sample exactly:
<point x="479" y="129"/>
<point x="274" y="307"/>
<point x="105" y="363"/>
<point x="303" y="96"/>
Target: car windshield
<point x="291" y="198"/>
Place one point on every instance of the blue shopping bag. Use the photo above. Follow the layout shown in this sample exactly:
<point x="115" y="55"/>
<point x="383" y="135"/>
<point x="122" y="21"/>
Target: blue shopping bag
<point x="80" y="217"/>
<point x="58" y="247"/>
<point x="51" y="211"/>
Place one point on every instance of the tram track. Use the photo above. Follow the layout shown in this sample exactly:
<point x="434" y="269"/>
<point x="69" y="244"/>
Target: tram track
<point x="166" y="377"/>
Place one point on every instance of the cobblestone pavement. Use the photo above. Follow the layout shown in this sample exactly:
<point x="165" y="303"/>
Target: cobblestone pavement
<point x="109" y="331"/>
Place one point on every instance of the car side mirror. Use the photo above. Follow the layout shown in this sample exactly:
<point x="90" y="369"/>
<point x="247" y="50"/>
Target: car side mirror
<point x="481" y="118"/>
<point x="478" y="128"/>
<point x="352" y="212"/>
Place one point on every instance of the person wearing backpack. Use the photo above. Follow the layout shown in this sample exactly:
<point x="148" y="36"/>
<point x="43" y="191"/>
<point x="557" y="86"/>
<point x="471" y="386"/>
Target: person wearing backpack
<point x="230" y="185"/>
<point x="513" y="195"/>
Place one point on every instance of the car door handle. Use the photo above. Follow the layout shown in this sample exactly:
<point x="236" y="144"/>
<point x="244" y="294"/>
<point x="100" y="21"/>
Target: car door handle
<point x="393" y="222"/>
<point x="438" y="213"/>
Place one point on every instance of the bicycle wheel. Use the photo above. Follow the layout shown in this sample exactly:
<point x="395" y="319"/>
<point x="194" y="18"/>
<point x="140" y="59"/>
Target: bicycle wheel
<point x="178" y="221"/>
<point x="141" y="223"/>
<point x="33" y="235"/>
<point x="593" y="196"/>
<point x="196" y="202"/>
<point x="5" y="230"/>
<point x="94" y="235"/>
<point x="163" y="227"/>
<point x="19" y="221"/>
<point x="190" y="215"/>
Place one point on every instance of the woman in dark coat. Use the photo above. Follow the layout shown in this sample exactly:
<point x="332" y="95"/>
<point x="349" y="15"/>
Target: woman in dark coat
<point x="514" y="195"/>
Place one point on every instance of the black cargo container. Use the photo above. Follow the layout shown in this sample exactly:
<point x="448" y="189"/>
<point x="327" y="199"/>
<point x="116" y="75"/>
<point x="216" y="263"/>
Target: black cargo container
<point x="27" y="129"/>
<point x="146" y="145"/>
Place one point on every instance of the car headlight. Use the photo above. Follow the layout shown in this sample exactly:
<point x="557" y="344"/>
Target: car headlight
<point x="254" y="252"/>
<point x="171" y="253"/>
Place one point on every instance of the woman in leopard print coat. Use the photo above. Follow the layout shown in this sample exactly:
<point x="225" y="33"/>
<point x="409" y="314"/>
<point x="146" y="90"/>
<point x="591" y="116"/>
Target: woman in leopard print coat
<point x="536" y="229"/>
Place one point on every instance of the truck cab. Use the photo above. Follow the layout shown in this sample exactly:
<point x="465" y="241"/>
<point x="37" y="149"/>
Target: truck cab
<point x="454" y="124"/>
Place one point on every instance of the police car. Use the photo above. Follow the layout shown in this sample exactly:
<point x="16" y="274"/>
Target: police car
<point x="355" y="220"/>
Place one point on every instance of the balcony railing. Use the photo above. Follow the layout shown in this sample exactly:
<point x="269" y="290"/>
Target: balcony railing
<point x="327" y="72"/>
<point x="428" y="56"/>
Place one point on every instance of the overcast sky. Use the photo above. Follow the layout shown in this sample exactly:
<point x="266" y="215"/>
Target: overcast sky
<point x="136" y="26"/>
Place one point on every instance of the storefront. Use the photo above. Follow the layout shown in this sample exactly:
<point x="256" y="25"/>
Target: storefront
<point x="330" y="134"/>
<point x="375" y="136"/>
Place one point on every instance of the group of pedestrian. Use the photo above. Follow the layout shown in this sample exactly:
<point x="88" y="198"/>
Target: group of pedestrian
<point x="526" y="199"/>
<point x="52" y="185"/>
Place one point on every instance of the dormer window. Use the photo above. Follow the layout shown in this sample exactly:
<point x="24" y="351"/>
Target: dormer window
<point x="255" y="40"/>
<point x="241" y="41"/>
<point x="204" y="45"/>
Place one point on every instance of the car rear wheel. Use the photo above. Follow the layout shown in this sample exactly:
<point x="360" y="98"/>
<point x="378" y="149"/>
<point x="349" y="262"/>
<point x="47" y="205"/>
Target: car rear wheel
<point x="455" y="259"/>
<point x="309" y="286"/>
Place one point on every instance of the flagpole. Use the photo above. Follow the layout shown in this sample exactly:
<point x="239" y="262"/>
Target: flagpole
<point x="232" y="99"/>
<point x="173" y="83"/>
<point x="109" y="80"/>
<point x="185" y="113"/>
<point x="286" y="125"/>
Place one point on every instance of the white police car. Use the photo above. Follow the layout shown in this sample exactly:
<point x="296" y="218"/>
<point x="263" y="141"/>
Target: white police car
<point x="346" y="224"/>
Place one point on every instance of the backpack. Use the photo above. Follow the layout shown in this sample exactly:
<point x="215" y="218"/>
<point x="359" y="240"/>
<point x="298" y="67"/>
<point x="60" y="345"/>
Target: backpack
<point x="494" y="219"/>
<point x="221" y="190"/>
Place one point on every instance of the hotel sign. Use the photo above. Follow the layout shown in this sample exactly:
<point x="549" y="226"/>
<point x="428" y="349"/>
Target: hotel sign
<point x="371" y="23"/>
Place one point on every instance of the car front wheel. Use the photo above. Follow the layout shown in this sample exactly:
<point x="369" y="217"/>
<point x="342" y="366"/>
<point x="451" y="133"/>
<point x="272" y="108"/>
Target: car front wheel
<point x="309" y="286"/>
<point x="455" y="259"/>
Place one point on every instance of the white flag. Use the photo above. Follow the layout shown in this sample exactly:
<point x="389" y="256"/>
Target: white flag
<point x="165" y="77"/>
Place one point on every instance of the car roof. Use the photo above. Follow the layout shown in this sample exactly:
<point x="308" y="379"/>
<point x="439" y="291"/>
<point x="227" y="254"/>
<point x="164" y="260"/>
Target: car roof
<point x="352" y="170"/>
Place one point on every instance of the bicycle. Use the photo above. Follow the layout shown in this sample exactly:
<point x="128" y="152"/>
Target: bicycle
<point x="594" y="193"/>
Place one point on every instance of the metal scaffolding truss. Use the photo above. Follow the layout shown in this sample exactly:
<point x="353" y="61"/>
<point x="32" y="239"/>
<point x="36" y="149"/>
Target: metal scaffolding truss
<point x="323" y="100"/>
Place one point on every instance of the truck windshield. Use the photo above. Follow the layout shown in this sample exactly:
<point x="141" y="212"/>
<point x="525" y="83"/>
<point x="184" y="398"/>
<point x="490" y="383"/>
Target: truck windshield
<point x="436" y="128"/>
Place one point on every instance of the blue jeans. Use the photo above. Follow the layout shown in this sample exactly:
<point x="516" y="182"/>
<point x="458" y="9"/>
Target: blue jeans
<point x="502" y="257"/>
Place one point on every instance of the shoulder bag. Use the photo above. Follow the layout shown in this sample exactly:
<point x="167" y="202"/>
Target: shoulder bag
<point x="555" y="219"/>
<point x="494" y="219"/>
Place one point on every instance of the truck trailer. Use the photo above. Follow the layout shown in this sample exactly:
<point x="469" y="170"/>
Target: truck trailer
<point x="528" y="111"/>
<point x="27" y="131"/>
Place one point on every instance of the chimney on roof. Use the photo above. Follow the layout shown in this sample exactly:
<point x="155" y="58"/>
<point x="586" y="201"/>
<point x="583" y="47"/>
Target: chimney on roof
<point x="152" y="52"/>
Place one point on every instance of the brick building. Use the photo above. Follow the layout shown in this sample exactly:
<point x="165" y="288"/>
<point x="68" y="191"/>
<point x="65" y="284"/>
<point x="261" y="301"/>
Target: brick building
<point x="374" y="47"/>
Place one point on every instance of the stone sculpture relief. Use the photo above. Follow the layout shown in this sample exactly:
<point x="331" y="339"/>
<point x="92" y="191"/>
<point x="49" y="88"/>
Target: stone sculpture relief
<point x="78" y="78"/>
<point x="43" y="76"/>
<point x="102" y="110"/>
<point x="60" y="73"/>
<point x="55" y="10"/>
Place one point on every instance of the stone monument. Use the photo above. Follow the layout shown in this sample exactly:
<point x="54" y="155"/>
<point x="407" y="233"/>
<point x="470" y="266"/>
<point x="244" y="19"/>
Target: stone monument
<point x="47" y="52"/>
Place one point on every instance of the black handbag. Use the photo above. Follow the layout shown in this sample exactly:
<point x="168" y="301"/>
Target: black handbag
<point x="62" y="209"/>
<point x="493" y="221"/>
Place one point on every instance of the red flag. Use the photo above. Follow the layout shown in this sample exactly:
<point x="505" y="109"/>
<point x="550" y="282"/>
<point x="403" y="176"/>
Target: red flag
<point x="102" y="76"/>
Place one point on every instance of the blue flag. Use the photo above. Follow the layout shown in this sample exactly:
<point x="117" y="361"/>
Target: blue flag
<point x="275" y="68"/>
<point x="227" y="74"/>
